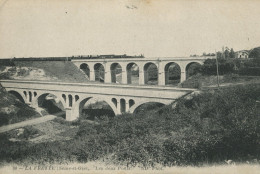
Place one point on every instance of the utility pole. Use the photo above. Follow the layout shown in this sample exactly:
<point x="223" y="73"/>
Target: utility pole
<point x="217" y="68"/>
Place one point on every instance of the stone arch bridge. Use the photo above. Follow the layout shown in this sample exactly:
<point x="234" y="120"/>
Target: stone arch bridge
<point x="73" y="96"/>
<point x="162" y="65"/>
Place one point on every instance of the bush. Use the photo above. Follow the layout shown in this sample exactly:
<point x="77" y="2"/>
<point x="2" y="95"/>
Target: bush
<point x="250" y="71"/>
<point x="22" y="72"/>
<point x="29" y="132"/>
<point x="211" y="127"/>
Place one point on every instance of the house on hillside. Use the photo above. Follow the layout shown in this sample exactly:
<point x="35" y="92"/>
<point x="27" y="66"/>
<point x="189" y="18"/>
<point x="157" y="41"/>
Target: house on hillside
<point x="243" y="54"/>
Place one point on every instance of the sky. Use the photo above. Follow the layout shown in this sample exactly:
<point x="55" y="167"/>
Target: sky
<point x="155" y="28"/>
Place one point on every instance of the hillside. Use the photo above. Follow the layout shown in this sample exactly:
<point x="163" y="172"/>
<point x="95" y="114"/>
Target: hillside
<point x="64" y="71"/>
<point x="12" y="110"/>
<point x="209" y="128"/>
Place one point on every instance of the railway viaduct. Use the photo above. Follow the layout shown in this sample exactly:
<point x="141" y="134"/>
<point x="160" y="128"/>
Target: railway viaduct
<point x="162" y="65"/>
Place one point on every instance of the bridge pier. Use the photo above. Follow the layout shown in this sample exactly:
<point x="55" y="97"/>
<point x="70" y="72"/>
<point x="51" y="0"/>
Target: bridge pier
<point x="107" y="73"/>
<point x="71" y="114"/>
<point x="92" y="75"/>
<point x="141" y="77"/>
<point x="126" y="106"/>
<point x="161" y="77"/>
<point x="183" y="76"/>
<point x="118" y="108"/>
<point x="124" y="75"/>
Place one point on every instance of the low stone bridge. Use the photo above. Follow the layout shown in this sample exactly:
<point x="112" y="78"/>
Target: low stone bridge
<point x="73" y="96"/>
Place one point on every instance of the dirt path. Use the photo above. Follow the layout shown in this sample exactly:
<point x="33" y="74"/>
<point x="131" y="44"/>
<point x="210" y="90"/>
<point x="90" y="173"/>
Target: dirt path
<point x="26" y="123"/>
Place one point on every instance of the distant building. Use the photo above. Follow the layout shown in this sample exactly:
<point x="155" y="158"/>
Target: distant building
<point x="243" y="54"/>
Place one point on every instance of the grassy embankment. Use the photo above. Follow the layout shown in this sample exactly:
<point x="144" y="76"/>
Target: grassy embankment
<point x="12" y="110"/>
<point x="63" y="71"/>
<point x="211" y="127"/>
<point x="204" y="81"/>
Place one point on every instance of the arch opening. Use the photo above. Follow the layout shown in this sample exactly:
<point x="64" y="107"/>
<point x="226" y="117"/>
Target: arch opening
<point x="76" y="97"/>
<point x="17" y="95"/>
<point x="114" y="100"/>
<point x="64" y="97"/>
<point x="30" y="96"/>
<point x="116" y="73"/>
<point x="122" y="106"/>
<point x="70" y="100"/>
<point x="91" y="108"/>
<point x="50" y="103"/>
<point x="85" y="69"/>
<point x="172" y="73"/>
<point x="150" y="74"/>
<point x="25" y="93"/>
<point x="148" y="106"/>
<point x="192" y="68"/>
<point x="99" y="72"/>
<point x="132" y="73"/>
<point x="131" y="103"/>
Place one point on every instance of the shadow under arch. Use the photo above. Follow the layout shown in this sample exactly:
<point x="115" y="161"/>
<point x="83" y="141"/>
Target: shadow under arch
<point x="150" y="73"/>
<point x="85" y="68"/>
<point x="192" y="68"/>
<point x="18" y="95"/>
<point x="116" y="73"/>
<point x="51" y="102"/>
<point x="172" y="73"/>
<point x="144" y="106"/>
<point x="92" y="112"/>
<point x="99" y="70"/>
<point x="132" y="73"/>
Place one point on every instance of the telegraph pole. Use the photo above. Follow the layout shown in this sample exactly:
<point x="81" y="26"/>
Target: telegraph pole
<point x="217" y="68"/>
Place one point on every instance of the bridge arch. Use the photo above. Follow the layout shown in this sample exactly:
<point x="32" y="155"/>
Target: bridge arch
<point x="138" y="104"/>
<point x="116" y="70"/>
<point x="59" y="100"/>
<point x="85" y="68"/>
<point x="172" y="71"/>
<point x="18" y="95"/>
<point x="99" y="72"/>
<point x="150" y="73"/>
<point x="79" y="105"/>
<point x="132" y="70"/>
<point x="192" y="67"/>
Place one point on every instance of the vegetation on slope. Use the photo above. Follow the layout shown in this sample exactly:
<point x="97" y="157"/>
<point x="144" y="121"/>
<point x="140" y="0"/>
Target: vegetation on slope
<point x="255" y="53"/>
<point x="64" y="71"/>
<point x="12" y="110"/>
<point x="230" y="71"/>
<point x="211" y="127"/>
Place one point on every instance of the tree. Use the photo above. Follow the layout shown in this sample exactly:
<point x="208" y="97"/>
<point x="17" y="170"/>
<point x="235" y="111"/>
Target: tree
<point x="255" y="53"/>
<point x="226" y="53"/>
<point x="219" y="55"/>
<point x="232" y="53"/>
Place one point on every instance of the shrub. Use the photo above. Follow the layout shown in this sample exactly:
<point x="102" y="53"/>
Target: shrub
<point x="211" y="127"/>
<point x="250" y="71"/>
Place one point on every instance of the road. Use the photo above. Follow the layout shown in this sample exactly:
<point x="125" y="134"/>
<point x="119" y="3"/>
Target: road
<point x="27" y="123"/>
